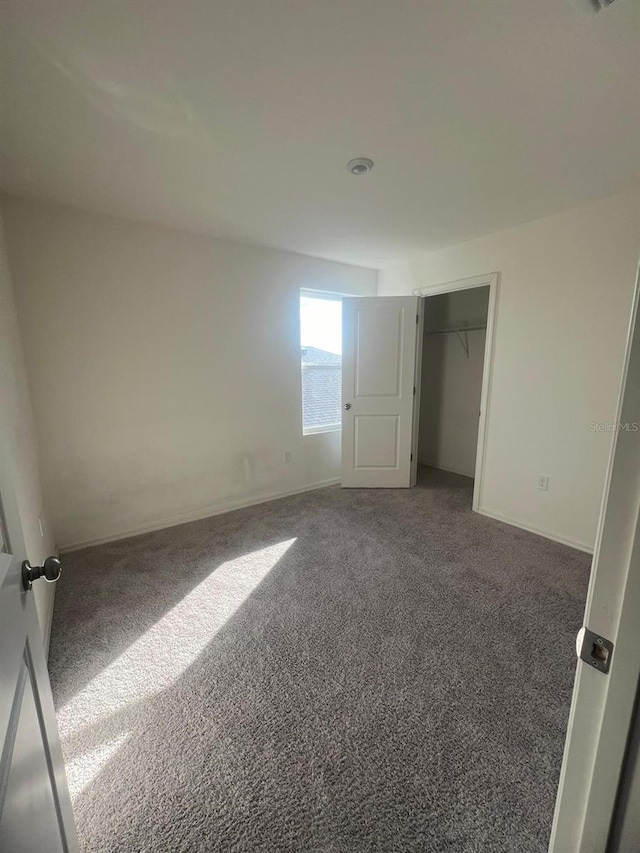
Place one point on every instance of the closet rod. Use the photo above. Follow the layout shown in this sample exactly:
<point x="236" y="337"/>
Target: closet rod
<point x="464" y="341"/>
<point x="456" y="330"/>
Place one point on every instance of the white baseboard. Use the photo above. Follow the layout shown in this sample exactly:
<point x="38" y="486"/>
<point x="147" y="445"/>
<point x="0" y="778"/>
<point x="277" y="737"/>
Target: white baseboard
<point x="196" y="515"/>
<point x="220" y="509"/>
<point x="555" y="537"/>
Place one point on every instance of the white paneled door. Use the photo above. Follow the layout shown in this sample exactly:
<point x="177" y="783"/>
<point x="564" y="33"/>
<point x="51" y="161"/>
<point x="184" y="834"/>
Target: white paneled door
<point x="378" y="375"/>
<point x="35" y="808"/>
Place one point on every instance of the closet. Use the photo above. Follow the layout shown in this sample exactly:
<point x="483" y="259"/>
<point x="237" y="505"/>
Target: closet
<point x="453" y="353"/>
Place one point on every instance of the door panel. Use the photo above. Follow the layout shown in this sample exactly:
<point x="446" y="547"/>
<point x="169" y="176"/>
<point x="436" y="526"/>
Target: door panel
<point x="378" y="369"/>
<point x="378" y="352"/>
<point x="376" y="441"/>
<point x="35" y="808"/>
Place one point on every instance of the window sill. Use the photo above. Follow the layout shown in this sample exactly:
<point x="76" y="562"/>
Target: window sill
<point x="319" y="429"/>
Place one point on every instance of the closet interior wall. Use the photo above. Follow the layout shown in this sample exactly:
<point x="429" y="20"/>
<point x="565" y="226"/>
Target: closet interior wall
<point x="451" y="385"/>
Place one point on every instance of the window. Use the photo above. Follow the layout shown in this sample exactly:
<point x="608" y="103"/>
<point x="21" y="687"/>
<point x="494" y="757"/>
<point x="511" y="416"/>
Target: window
<point x="321" y="361"/>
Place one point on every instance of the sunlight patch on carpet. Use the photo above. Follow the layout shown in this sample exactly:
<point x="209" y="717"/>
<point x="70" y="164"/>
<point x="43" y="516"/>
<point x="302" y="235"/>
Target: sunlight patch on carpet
<point x="83" y="769"/>
<point x="156" y="661"/>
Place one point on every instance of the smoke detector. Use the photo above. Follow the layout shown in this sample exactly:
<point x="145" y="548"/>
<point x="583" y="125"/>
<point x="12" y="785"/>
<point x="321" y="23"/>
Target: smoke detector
<point x="360" y="166"/>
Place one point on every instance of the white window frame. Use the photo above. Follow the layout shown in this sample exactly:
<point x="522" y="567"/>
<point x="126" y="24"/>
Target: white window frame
<point x="318" y="429"/>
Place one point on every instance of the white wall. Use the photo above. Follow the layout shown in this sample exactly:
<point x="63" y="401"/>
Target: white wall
<point x="20" y="489"/>
<point x="165" y="368"/>
<point x="566" y="285"/>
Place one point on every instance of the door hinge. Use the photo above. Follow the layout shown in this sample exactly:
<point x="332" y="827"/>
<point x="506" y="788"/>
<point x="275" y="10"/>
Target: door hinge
<point x="414" y="390"/>
<point x="595" y="650"/>
<point x="417" y="319"/>
<point x="411" y="460"/>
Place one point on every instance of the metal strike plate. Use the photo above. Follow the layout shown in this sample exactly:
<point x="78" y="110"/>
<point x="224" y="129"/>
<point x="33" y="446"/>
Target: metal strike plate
<point x="594" y="649"/>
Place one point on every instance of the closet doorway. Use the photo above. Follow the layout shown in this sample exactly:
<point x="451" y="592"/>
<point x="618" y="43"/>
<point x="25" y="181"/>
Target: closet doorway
<point x="453" y="369"/>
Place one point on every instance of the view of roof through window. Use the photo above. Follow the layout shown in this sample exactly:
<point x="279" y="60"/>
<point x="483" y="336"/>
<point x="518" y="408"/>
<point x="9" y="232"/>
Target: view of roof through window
<point x="321" y="361"/>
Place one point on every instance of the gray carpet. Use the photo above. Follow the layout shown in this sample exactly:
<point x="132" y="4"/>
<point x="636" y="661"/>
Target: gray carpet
<point x="338" y="671"/>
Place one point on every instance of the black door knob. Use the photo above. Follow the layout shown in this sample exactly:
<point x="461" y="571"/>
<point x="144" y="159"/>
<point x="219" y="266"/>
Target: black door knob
<point x="50" y="571"/>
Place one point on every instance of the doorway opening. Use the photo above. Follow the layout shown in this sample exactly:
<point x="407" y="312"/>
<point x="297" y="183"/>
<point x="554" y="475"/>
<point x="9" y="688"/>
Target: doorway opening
<point x="453" y="368"/>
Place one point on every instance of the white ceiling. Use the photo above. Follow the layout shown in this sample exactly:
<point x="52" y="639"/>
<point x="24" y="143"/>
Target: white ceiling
<point x="237" y="117"/>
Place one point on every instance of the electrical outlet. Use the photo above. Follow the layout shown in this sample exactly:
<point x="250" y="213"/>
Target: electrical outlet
<point x="287" y="456"/>
<point x="543" y="482"/>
